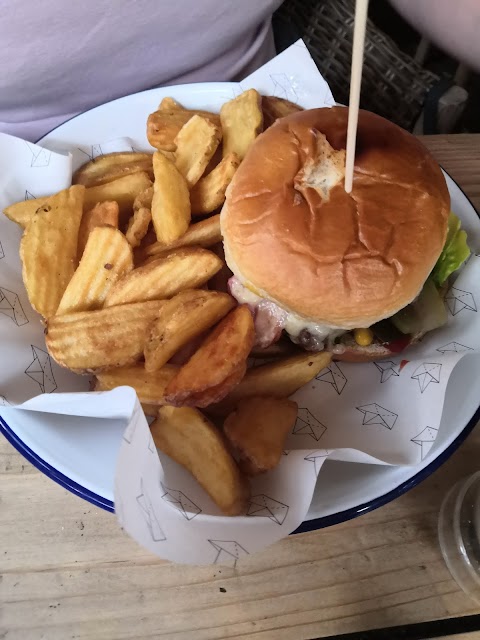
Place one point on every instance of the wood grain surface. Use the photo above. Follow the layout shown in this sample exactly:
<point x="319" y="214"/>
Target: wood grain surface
<point x="68" y="572"/>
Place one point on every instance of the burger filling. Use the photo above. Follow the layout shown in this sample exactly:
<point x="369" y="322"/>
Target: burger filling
<point x="425" y="313"/>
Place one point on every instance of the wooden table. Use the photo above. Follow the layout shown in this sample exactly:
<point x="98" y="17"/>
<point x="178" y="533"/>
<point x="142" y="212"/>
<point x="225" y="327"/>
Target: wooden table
<point x="69" y="572"/>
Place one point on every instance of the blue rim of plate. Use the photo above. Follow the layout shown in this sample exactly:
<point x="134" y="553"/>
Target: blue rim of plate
<point x="308" y="525"/>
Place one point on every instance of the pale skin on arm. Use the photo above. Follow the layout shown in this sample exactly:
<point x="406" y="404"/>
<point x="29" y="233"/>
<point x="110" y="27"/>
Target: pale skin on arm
<point x="454" y="26"/>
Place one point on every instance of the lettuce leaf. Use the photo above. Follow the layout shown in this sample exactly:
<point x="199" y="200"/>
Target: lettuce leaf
<point x="455" y="251"/>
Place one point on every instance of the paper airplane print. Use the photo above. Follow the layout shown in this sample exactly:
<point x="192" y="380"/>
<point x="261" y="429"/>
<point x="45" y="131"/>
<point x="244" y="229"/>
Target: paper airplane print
<point x="2" y="252"/>
<point x="228" y="552"/>
<point x="388" y="369"/>
<point x="282" y="87"/>
<point x="426" y="374"/>
<point x="150" y="516"/>
<point x="132" y="425"/>
<point x="40" y="370"/>
<point x="454" y="347"/>
<point x="262" y="506"/>
<point x="39" y="157"/>
<point x="181" y="503"/>
<point x="318" y="458"/>
<point x="457" y="300"/>
<point x="11" y="307"/>
<point x="425" y="440"/>
<point x="92" y="152"/>
<point x="333" y="375"/>
<point x="375" y="414"/>
<point x="29" y="196"/>
<point x="307" y="425"/>
<point x="4" y="402"/>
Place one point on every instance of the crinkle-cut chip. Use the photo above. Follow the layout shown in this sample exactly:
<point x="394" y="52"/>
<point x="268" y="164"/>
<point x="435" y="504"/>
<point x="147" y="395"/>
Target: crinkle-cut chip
<point x="111" y="166"/>
<point x="107" y="257"/>
<point x="102" y="214"/>
<point x="48" y="249"/>
<point x="186" y="268"/>
<point x="93" y="341"/>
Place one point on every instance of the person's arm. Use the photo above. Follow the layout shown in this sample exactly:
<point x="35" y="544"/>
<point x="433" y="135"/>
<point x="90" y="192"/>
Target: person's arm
<point x="453" y="25"/>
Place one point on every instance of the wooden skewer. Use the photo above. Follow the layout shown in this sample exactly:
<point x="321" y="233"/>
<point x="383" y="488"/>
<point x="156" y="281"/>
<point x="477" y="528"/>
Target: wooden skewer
<point x="361" y="12"/>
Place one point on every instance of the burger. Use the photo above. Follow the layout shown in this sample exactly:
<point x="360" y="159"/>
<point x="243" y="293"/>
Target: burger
<point x="360" y="274"/>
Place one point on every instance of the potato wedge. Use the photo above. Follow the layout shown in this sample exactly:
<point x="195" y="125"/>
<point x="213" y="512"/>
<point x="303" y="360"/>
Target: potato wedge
<point x="181" y="269"/>
<point x="279" y="379"/>
<point x="124" y="190"/>
<point x="209" y="192"/>
<point x="163" y="125"/>
<point x="150" y="387"/>
<point x="223" y="354"/>
<point x="201" y="234"/>
<point x="196" y="142"/>
<point x="138" y="226"/>
<point x="111" y="166"/>
<point x="274" y="108"/>
<point x="48" y="249"/>
<point x="107" y="257"/>
<point x="182" y="319"/>
<point x="144" y="199"/>
<point x="242" y="121"/>
<point x="170" y="202"/>
<point x="257" y="430"/>
<point x="168" y="103"/>
<point x="189" y="438"/>
<point x="102" y="214"/>
<point x="22" y="212"/>
<point x="93" y="341"/>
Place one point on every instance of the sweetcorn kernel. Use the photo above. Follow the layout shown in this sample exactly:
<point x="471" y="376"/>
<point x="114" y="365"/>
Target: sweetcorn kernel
<point x="363" y="337"/>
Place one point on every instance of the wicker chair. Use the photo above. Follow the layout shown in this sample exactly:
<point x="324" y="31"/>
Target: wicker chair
<point x="393" y="84"/>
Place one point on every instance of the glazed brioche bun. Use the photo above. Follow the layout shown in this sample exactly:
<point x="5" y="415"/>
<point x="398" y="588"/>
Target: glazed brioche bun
<point x="295" y="237"/>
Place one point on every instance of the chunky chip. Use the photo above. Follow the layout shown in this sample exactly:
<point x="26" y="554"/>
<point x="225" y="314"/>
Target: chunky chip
<point x="182" y="319"/>
<point x="144" y="199"/>
<point x="181" y="269"/>
<point x="196" y="142"/>
<point x="138" y="226"/>
<point x="189" y="438"/>
<point x="274" y="108"/>
<point x="101" y="215"/>
<point x="93" y="341"/>
<point x="123" y="190"/>
<point x="150" y="387"/>
<point x="279" y="379"/>
<point x="163" y="125"/>
<point x="112" y="166"/>
<point x="209" y="192"/>
<point x="171" y="201"/>
<point x="257" y="430"/>
<point x="223" y="355"/>
<point x="242" y="121"/>
<point x="22" y="212"/>
<point x="48" y="249"/>
<point x="201" y="234"/>
<point x="107" y="256"/>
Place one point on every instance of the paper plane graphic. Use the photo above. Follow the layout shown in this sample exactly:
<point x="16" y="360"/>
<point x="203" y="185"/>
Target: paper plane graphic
<point x="282" y="87"/>
<point x="333" y="375"/>
<point x="454" y="347"/>
<point x="228" y="552"/>
<point x="457" y="300"/>
<point x="92" y="152"/>
<point x="388" y="369"/>
<point x="29" y="195"/>
<point x="307" y="425"/>
<point x="427" y="373"/>
<point x="150" y="516"/>
<point x="425" y="440"/>
<point x="40" y="370"/>
<point x="4" y="402"/>
<point x="39" y="157"/>
<point x="2" y="252"/>
<point x="262" y="506"/>
<point x="11" y="307"/>
<point x="318" y="458"/>
<point x="181" y="502"/>
<point x="375" y="414"/>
